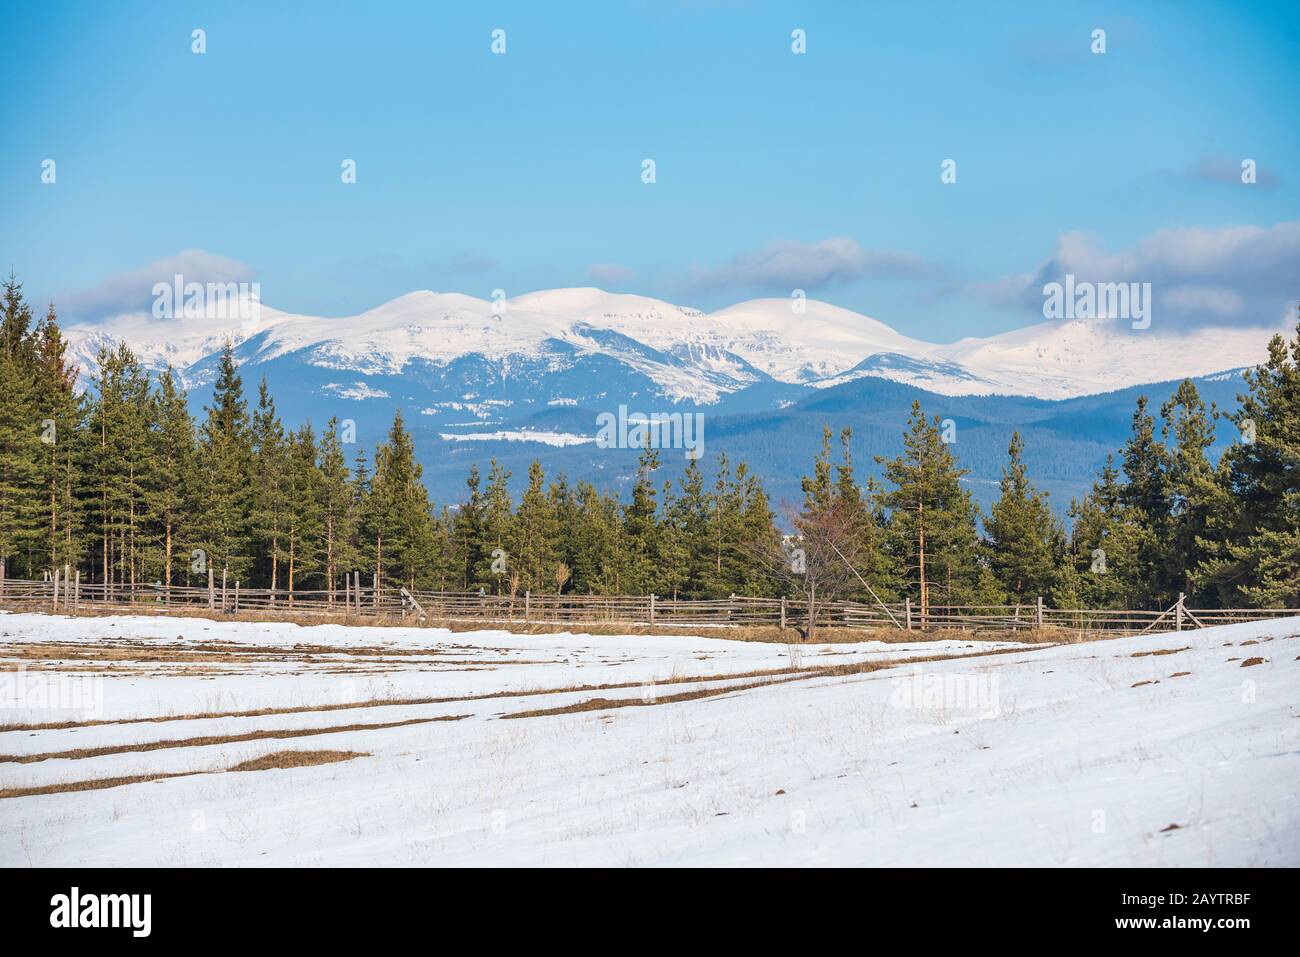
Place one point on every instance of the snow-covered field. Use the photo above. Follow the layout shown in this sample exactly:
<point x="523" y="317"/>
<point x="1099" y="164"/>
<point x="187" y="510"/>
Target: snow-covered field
<point x="703" y="751"/>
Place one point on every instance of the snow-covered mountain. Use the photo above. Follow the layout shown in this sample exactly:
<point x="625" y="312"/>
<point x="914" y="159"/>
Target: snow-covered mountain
<point x="468" y="361"/>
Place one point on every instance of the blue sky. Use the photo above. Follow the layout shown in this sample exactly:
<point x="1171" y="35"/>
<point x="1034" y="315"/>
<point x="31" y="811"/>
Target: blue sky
<point x="522" y="171"/>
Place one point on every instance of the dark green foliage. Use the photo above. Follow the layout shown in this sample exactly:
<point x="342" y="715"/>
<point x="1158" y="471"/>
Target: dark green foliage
<point x="122" y="485"/>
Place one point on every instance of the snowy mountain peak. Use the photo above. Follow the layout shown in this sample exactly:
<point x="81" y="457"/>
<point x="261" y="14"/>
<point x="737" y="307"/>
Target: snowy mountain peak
<point x="680" y="353"/>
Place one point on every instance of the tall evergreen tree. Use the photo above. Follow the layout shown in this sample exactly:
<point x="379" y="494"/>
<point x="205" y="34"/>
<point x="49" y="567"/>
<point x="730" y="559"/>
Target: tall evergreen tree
<point x="20" y="437"/>
<point x="1025" y="542"/>
<point x="334" y="506"/>
<point x="226" y="474"/>
<point x="932" y="519"/>
<point x="534" y="535"/>
<point x="272" y="500"/>
<point x="1257" y="556"/>
<point x="172" y="510"/>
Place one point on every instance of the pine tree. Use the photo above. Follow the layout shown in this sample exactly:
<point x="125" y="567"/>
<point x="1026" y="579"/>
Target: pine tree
<point x="1195" y="496"/>
<point x="534" y="535"/>
<point x="496" y="565"/>
<point x="272" y="499"/>
<point x="1104" y="538"/>
<point x="334" y="506"/>
<point x="303" y="520"/>
<point x="20" y="437"/>
<point x="689" y="547"/>
<point x="226" y="474"/>
<point x="467" y="535"/>
<point x="1025" y="542"/>
<point x="640" y="525"/>
<point x="399" y="523"/>
<point x="61" y="412"/>
<point x="757" y="537"/>
<point x="120" y="466"/>
<point x="1146" y="493"/>
<point x="932" y="520"/>
<point x="174" y="456"/>
<point x="1257" y="558"/>
<point x="564" y="507"/>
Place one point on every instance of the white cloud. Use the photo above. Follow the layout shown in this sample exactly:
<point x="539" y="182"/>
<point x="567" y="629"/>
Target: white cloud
<point x="1197" y="274"/>
<point x="787" y="264"/>
<point x="132" y="291"/>
<point x="611" y="274"/>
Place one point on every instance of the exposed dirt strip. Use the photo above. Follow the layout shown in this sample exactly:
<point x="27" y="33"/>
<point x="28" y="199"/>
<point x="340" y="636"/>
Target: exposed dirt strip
<point x="79" y="753"/>
<point x="280" y="759"/>
<point x="489" y="695"/>
<point x="826" y="671"/>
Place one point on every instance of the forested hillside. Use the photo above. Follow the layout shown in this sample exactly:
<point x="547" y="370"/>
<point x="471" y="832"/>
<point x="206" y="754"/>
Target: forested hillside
<point x="124" y="484"/>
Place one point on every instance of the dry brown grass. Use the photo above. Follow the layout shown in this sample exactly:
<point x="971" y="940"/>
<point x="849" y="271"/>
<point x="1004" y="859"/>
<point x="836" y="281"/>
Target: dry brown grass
<point x="485" y="696"/>
<point x="1160" y="651"/>
<point x="279" y="759"/>
<point x="605" y="704"/>
<point x="761" y="633"/>
<point x="77" y="754"/>
<point x="790" y="674"/>
<point x="92" y="785"/>
<point x="297" y="759"/>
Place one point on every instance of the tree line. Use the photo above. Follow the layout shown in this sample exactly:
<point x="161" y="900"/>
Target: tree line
<point x="124" y="484"/>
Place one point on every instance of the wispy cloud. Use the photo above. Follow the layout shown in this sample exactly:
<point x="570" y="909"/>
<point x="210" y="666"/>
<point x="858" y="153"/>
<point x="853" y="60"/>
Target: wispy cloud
<point x="788" y="264"/>
<point x="611" y="274"/>
<point x="132" y="291"/>
<point x="1222" y="169"/>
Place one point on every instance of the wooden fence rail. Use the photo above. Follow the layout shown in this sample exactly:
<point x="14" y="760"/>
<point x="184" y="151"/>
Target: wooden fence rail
<point x="65" y="592"/>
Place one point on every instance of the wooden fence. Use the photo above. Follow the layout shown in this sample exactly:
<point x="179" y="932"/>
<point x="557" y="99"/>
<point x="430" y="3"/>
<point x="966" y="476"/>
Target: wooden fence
<point x="65" y="592"/>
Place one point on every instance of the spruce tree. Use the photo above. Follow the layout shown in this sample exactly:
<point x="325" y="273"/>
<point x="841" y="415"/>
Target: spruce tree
<point x="226" y="474"/>
<point x="1257" y="557"/>
<point x="534" y="535"/>
<point x="1146" y="493"/>
<point x="272" y="499"/>
<point x="640" y="525"/>
<point x="467" y="534"/>
<point x="303" y="520"/>
<point x="932" y="519"/>
<point x="172" y="510"/>
<point x="1195" y="496"/>
<point x="20" y="439"/>
<point x="61" y="413"/>
<point x="334" y="506"/>
<point x="1025" y="542"/>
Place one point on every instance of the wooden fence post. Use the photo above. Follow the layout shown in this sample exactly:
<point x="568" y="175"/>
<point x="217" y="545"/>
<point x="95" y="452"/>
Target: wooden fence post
<point x="1038" y="620"/>
<point x="237" y="596"/>
<point x="783" y="613"/>
<point x="224" y="573"/>
<point x="652" y="609"/>
<point x="212" y="594"/>
<point x="909" y="614"/>
<point x="1178" y="613"/>
<point x="55" y="593"/>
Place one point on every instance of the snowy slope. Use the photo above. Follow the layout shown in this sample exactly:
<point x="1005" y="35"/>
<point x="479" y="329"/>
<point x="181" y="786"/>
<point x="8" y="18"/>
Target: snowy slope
<point x="1094" y="754"/>
<point x="610" y="343"/>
